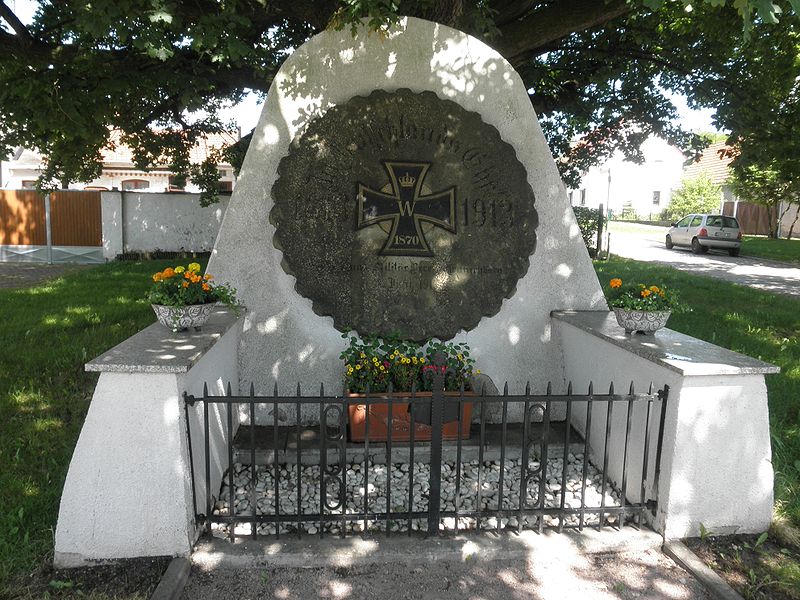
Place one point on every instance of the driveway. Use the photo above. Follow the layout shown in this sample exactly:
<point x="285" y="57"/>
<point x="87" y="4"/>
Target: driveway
<point x="647" y="245"/>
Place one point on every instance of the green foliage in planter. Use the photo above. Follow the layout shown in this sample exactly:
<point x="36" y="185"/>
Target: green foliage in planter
<point x="373" y="364"/>
<point x="638" y="296"/>
<point x="183" y="286"/>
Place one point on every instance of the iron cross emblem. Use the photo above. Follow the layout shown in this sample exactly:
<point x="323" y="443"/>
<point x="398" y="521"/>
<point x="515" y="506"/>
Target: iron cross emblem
<point x="405" y="209"/>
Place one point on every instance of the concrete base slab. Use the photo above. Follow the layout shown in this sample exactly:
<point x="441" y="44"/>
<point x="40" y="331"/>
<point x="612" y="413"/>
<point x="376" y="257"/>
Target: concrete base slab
<point x="336" y="552"/>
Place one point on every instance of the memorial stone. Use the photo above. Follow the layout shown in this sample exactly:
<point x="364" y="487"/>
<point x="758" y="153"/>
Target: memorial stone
<point x="400" y="183"/>
<point x="403" y="213"/>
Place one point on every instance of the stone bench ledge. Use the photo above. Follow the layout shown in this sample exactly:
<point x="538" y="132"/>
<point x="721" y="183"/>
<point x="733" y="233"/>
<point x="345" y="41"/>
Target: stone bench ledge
<point x="673" y="350"/>
<point x="156" y="349"/>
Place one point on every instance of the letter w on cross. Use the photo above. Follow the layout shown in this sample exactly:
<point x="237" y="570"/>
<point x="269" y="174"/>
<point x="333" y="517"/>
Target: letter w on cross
<point x="407" y="209"/>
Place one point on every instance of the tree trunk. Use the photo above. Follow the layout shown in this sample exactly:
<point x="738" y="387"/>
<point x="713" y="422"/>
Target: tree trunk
<point x="796" y="217"/>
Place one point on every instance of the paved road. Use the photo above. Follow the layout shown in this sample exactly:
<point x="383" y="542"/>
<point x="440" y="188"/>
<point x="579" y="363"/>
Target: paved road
<point x="771" y="276"/>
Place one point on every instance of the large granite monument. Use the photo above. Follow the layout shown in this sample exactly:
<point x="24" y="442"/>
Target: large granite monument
<point x="400" y="184"/>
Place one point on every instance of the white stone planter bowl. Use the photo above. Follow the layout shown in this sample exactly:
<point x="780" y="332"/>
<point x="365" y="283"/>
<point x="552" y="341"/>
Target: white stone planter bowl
<point x="647" y="322"/>
<point x="183" y="317"/>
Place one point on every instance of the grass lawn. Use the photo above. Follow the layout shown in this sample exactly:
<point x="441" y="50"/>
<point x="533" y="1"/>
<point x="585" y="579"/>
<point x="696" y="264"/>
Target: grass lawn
<point x="752" y="322"/>
<point x="764" y="247"/>
<point x="49" y="331"/>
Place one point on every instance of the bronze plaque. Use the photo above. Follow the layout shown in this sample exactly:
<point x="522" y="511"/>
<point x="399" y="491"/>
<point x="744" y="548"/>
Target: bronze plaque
<point x="403" y="213"/>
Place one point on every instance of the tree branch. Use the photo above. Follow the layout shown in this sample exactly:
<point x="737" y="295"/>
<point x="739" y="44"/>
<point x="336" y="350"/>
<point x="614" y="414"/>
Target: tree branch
<point x="526" y="37"/>
<point x="22" y="32"/>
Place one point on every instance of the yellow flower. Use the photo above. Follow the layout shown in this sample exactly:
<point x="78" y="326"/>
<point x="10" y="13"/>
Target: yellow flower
<point x="414" y="359"/>
<point x="208" y="277"/>
<point x="363" y="355"/>
<point x="358" y="367"/>
<point x="654" y="289"/>
<point x="194" y="267"/>
<point x="460" y="357"/>
<point x="422" y="360"/>
<point x="478" y="372"/>
<point x="180" y="269"/>
<point x="616" y="282"/>
<point x="383" y="368"/>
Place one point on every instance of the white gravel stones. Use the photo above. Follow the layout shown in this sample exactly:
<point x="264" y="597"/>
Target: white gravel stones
<point x="371" y="495"/>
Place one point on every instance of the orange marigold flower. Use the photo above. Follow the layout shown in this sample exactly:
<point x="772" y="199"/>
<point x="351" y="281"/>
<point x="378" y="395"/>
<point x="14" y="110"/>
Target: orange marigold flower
<point x="208" y="277"/>
<point x="195" y="279"/>
<point x="168" y="272"/>
<point x="654" y="289"/>
<point x="616" y="282"/>
<point x="185" y="284"/>
<point x="188" y="274"/>
<point x="646" y="293"/>
<point x="206" y="287"/>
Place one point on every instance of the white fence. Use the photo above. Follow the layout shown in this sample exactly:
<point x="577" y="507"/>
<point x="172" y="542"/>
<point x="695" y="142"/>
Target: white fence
<point x="145" y="222"/>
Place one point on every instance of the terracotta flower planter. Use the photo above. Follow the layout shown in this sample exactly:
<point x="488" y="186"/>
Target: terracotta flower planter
<point x="401" y="419"/>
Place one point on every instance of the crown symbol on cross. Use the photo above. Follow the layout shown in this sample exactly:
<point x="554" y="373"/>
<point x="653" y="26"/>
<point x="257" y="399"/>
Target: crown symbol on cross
<point x="406" y="180"/>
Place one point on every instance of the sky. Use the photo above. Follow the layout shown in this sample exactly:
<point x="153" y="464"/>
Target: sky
<point x="246" y="113"/>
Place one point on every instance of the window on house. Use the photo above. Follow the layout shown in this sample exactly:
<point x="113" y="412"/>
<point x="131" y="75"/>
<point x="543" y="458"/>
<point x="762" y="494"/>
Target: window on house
<point x="570" y="196"/>
<point x="656" y="198"/>
<point x="177" y="183"/>
<point x="135" y="184"/>
<point x="225" y="187"/>
<point x="223" y="172"/>
<point x="583" y="197"/>
<point x="95" y="188"/>
<point x="29" y="184"/>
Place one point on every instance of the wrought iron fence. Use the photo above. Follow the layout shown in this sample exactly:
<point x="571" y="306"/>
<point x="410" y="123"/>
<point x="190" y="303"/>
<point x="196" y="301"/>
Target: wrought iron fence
<point x="596" y="468"/>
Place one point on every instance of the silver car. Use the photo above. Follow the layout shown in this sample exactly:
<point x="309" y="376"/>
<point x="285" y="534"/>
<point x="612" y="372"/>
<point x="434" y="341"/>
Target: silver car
<point x="701" y="232"/>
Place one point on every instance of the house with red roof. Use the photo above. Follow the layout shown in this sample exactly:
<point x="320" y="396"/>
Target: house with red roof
<point x="119" y="171"/>
<point x="753" y="218"/>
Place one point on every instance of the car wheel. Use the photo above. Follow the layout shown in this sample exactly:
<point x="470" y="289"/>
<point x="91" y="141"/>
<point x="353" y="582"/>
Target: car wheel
<point x="697" y="248"/>
<point x="733" y="251"/>
<point x="668" y="243"/>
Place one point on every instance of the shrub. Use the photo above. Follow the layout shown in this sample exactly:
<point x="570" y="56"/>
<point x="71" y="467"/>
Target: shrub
<point x="696" y="195"/>
<point x="589" y="221"/>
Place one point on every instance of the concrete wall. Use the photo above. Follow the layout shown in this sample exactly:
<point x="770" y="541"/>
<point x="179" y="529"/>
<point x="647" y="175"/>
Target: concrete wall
<point x="128" y="489"/>
<point x="716" y="458"/>
<point x="142" y="221"/>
